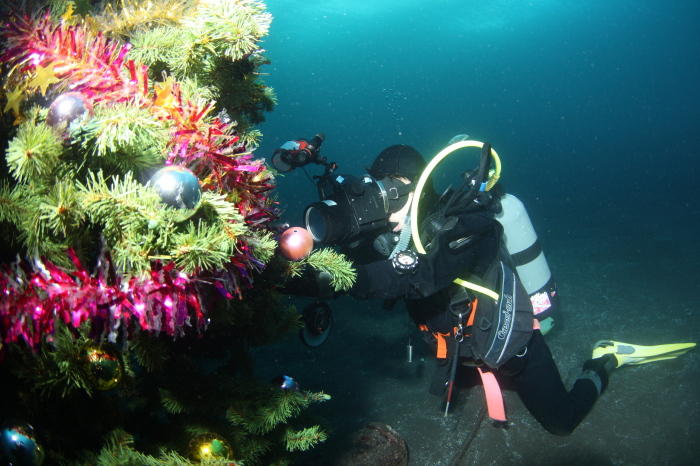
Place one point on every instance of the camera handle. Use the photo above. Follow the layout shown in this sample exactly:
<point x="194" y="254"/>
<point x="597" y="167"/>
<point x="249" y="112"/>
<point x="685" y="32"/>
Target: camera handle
<point x="323" y="182"/>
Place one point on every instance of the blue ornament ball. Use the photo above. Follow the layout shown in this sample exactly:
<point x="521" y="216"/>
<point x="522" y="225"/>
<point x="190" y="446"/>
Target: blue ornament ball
<point x="178" y="187"/>
<point x="285" y="382"/>
<point x="20" y="447"/>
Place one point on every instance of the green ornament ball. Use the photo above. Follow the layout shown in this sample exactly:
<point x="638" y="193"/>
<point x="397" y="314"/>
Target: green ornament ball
<point x="105" y="364"/>
<point x="210" y="446"/>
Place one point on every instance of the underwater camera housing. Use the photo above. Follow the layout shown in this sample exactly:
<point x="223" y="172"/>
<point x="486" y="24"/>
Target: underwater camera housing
<point x="348" y="208"/>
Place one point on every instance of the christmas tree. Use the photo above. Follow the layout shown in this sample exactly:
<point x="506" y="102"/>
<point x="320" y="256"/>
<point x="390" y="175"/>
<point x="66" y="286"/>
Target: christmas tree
<point x="144" y="230"/>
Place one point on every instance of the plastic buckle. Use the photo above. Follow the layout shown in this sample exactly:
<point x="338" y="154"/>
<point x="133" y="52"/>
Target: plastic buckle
<point x="458" y="306"/>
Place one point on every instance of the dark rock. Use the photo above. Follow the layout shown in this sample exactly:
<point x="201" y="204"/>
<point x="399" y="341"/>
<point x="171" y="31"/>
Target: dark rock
<point x="376" y="444"/>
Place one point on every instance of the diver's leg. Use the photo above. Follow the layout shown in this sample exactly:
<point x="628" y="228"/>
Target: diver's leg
<point x="543" y="393"/>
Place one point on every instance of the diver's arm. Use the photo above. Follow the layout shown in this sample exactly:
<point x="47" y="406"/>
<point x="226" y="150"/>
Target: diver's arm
<point x="467" y="247"/>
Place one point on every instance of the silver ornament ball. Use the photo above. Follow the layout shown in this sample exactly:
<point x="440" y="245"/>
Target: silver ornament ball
<point x="68" y="108"/>
<point x="178" y="187"/>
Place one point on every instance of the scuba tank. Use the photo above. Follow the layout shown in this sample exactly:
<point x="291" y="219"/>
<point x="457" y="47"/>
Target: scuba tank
<point x="525" y="249"/>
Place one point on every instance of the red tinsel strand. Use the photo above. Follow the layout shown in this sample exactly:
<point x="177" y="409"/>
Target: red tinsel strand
<point x="90" y="64"/>
<point x="35" y="297"/>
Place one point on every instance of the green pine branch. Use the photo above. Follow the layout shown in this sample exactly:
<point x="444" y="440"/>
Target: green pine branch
<point x="118" y="451"/>
<point x="49" y="218"/>
<point x="214" y="54"/>
<point x="150" y="352"/>
<point x="343" y="274"/>
<point x="279" y="406"/>
<point x="195" y="91"/>
<point x="304" y="439"/>
<point x="263" y="245"/>
<point x="154" y="45"/>
<point x="230" y="29"/>
<point x="123" y="206"/>
<point x="57" y="367"/>
<point x="217" y="206"/>
<point x="60" y="209"/>
<point x="35" y="152"/>
<point x="12" y="202"/>
<point x="124" y="136"/>
<point x="201" y="247"/>
<point x="237" y="88"/>
<point x="171" y="403"/>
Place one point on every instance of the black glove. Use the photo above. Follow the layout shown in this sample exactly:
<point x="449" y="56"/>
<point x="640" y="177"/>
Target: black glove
<point x="311" y="283"/>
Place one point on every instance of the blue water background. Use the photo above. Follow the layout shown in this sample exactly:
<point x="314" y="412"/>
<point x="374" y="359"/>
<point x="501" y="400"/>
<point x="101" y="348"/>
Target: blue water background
<point x="592" y="105"/>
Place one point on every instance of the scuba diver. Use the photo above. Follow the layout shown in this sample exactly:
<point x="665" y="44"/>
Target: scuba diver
<point x="451" y="260"/>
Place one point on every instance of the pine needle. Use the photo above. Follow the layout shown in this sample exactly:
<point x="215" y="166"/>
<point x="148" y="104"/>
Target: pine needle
<point x="231" y="29"/>
<point x="58" y="367"/>
<point x="34" y="153"/>
<point x="170" y="403"/>
<point x="13" y="206"/>
<point x="125" y="136"/>
<point x="263" y="245"/>
<point x="201" y="248"/>
<point x="136" y="15"/>
<point x="343" y="274"/>
<point x="304" y="439"/>
<point x="150" y="352"/>
<point x="61" y="208"/>
<point x="153" y="45"/>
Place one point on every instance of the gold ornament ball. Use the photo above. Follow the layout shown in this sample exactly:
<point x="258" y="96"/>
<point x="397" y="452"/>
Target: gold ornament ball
<point x="105" y="364"/>
<point x="210" y="446"/>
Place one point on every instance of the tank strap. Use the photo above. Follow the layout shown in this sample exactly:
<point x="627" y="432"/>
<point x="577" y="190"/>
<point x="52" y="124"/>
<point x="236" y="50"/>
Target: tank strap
<point x="528" y="254"/>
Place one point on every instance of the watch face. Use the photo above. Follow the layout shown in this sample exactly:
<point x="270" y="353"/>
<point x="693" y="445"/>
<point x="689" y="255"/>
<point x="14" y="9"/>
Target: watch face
<point x="405" y="262"/>
<point x="406" y="259"/>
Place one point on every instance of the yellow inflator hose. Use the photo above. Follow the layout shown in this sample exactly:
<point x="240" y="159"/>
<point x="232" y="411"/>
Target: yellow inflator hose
<point x="493" y="179"/>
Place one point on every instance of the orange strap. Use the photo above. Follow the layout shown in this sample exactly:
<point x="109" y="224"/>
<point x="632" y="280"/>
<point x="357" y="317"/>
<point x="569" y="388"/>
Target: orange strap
<point x="470" y="322"/>
<point x="494" y="397"/>
<point x="442" y="344"/>
<point x="441" y="339"/>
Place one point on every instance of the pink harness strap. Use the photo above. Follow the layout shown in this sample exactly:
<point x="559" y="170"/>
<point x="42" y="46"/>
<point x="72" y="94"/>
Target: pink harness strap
<point x="494" y="397"/>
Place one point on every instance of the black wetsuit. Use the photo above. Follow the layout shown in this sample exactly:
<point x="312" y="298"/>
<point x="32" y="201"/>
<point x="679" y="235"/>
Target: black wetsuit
<point x="534" y="375"/>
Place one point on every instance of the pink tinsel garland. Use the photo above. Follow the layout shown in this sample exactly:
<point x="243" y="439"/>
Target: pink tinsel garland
<point x="34" y="297"/>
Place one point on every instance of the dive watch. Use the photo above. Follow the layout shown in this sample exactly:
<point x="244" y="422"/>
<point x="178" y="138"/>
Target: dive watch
<point x="405" y="262"/>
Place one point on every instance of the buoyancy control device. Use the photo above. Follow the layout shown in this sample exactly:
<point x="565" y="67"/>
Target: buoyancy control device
<point x="519" y="234"/>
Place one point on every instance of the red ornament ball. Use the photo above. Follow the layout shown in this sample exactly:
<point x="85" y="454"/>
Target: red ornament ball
<point x="296" y="243"/>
